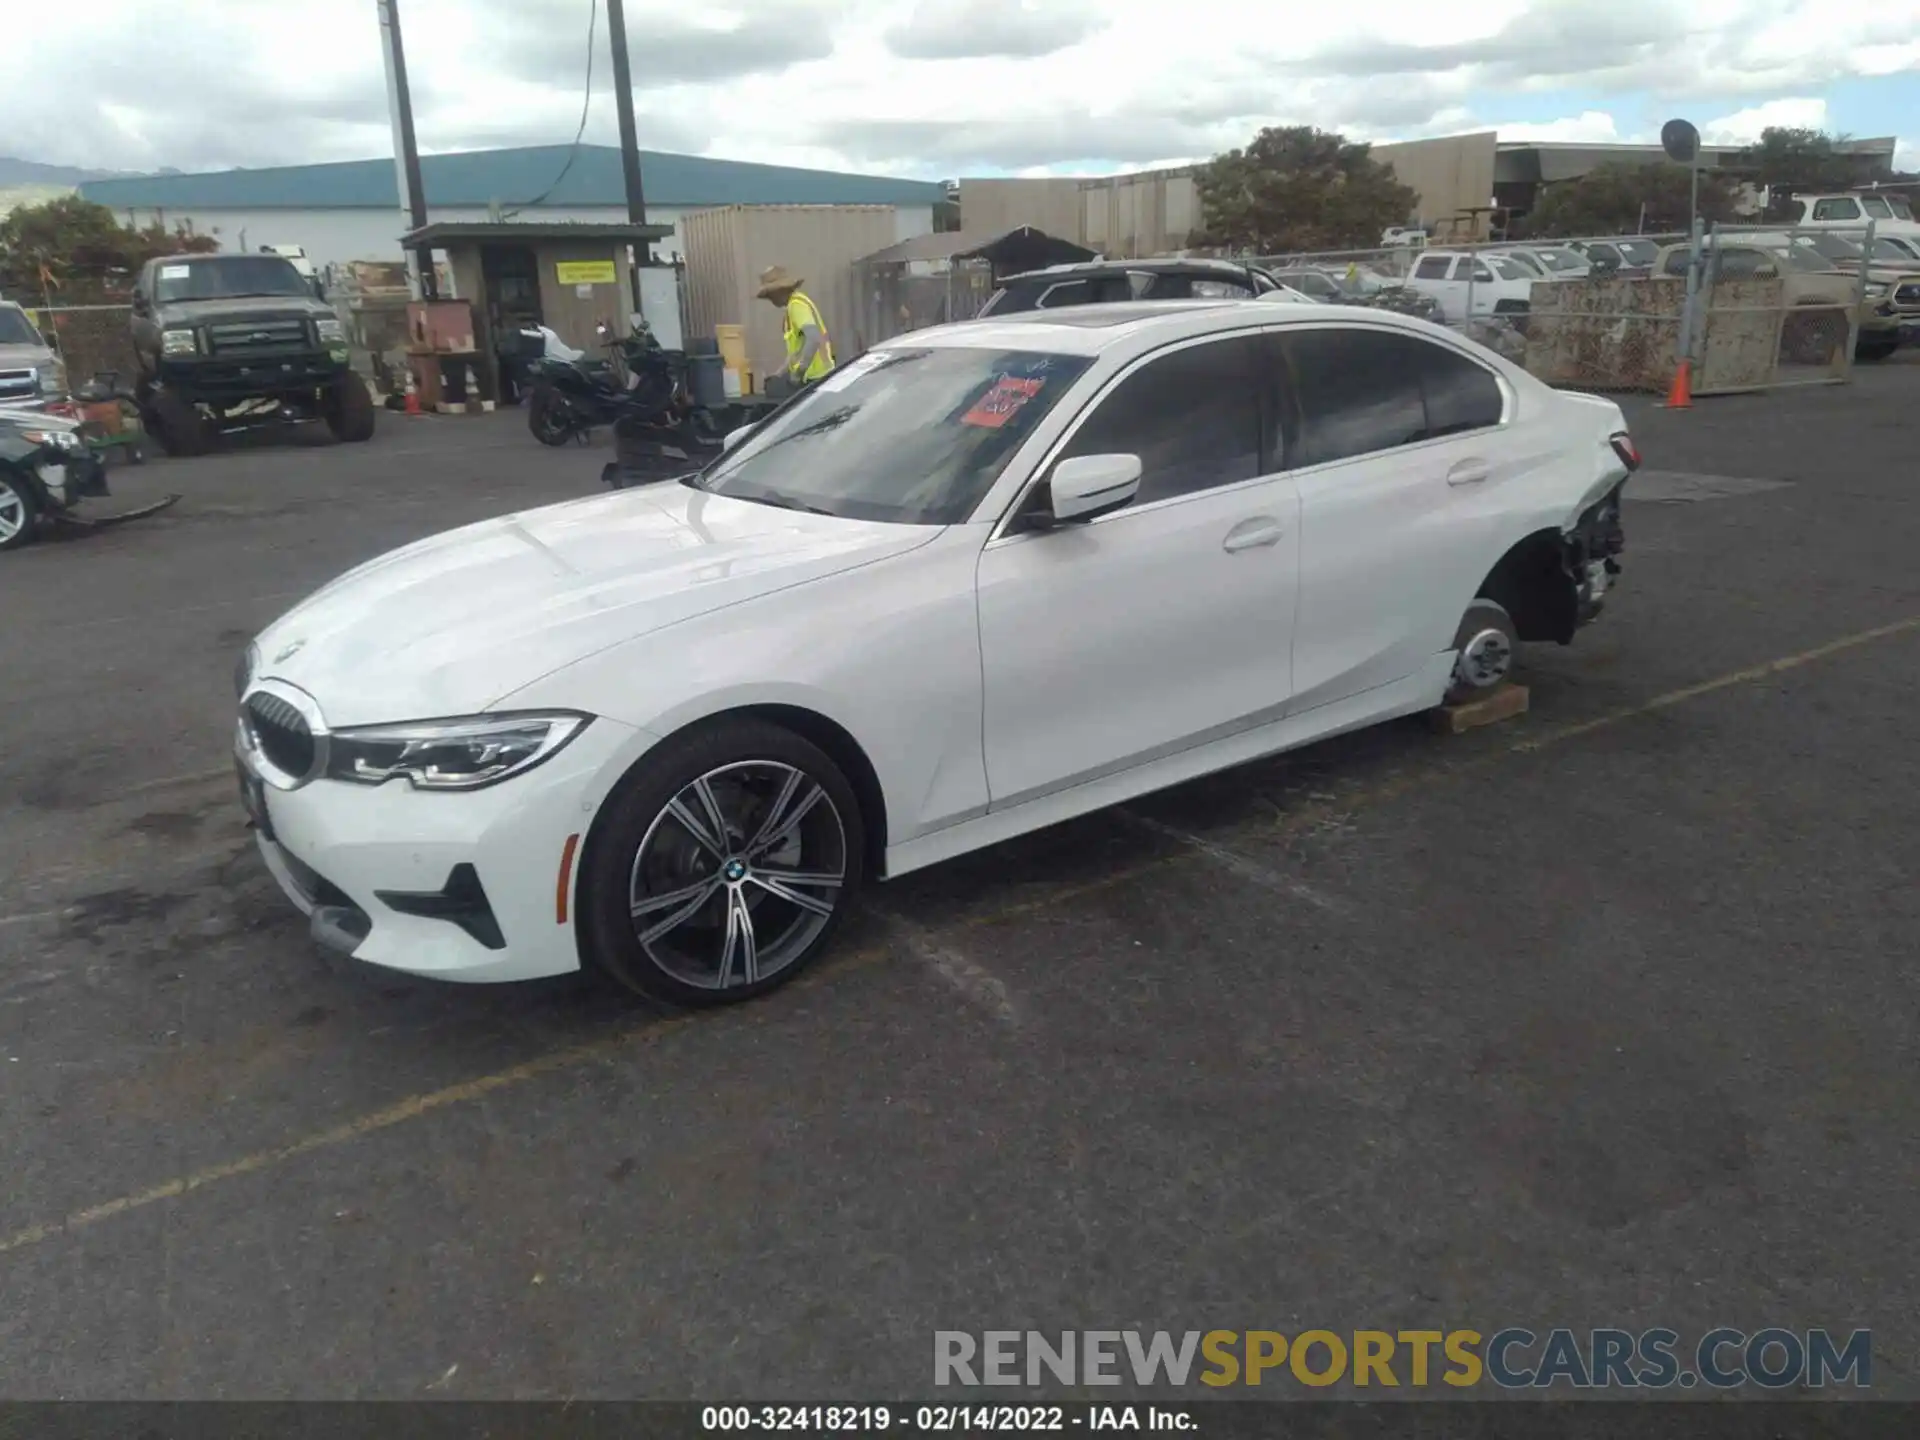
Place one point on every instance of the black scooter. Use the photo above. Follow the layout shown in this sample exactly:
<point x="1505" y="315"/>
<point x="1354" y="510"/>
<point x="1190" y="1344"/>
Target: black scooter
<point x="642" y="394"/>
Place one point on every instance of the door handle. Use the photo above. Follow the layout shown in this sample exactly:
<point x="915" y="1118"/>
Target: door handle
<point x="1251" y="534"/>
<point x="1469" y="472"/>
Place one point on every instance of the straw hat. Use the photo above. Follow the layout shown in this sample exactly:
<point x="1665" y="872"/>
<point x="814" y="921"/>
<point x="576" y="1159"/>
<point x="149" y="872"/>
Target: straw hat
<point x="776" y="278"/>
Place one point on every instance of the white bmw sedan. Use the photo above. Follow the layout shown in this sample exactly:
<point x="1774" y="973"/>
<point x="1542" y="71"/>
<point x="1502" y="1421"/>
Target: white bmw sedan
<point x="980" y="580"/>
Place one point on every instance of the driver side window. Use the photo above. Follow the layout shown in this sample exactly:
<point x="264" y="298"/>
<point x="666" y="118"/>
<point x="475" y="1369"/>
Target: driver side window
<point x="1192" y="416"/>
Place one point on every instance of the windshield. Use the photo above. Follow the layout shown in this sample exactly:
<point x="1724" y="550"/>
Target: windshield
<point x="1508" y="269"/>
<point x="1559" y="259"/>
<point x="913" y="436"/>
<point x="16" y="329"/>
<point x="1898" y="249"/>
<point x="1309" y="282"/>
<point x="227" y="277"/>
<point x="1527" y="263"/>
<point x="1834" y="247"/>
<point x="1809" y="259"/>
<point x="1638" y="252"/>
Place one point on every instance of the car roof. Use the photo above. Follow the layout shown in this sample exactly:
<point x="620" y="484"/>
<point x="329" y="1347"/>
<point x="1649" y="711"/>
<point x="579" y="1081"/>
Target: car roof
<point x="1164" y="266"/>
<point x="1136" y="325"/>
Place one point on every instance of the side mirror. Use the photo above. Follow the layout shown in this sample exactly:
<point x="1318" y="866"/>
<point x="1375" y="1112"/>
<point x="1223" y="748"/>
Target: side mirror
<point x="1090" y="485"/>
<point x="140" y="305"/>
<point x="734" y="437"/>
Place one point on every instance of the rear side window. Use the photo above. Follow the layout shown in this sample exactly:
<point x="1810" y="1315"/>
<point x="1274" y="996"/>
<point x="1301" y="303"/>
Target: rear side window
<point x="1836" y="210"/>
<point x="1459" y="394"/>
<point x="1432" y="267"/>
<point x="1072" y="292"/>
<point x="1219" y="290"/>
<point x="1355" y="392"/>
<point x="1358" y="392"/>
<point x="1192" y="416"/>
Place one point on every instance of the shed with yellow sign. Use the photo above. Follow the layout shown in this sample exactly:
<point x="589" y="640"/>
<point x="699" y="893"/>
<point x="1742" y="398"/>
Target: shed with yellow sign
<point x="570" y="277"/>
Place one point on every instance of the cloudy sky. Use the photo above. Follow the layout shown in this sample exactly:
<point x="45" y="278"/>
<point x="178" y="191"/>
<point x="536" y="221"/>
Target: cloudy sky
<point x="941" y="88"/>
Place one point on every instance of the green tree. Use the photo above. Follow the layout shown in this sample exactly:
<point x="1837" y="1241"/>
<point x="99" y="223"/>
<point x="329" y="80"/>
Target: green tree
<point x="1789" y="160"/>
<point x="1615" y="199"/>
<point x="1298" y="188"/>
<point x="1807" y="160"/>
<point x="78" y="251"/>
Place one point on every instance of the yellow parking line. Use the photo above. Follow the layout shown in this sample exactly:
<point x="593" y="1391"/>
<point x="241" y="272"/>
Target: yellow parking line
<point x="416" y="1106"/>
<point x="1725" y="682"/>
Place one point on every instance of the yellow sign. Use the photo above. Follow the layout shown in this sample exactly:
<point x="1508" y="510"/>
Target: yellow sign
<point x="585" y="272"/>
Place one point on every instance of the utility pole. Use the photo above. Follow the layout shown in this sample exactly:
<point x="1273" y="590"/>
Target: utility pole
<point x="413" y="198"/>
<point x="629" y="143"/>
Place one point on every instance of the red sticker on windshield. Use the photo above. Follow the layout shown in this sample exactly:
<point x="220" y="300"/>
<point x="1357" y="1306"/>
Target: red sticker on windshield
<point x="1000" y="404"/>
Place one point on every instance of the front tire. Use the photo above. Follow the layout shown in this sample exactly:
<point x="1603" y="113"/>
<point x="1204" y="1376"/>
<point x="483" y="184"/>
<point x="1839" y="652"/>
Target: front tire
<point x="181" y="428"/>
<point x="548" y="419"/>
<point x="348" y="409"/>
<point x="19" y="515"/>
<point x="722" y="866"/>
<point x="1484" y="646"/>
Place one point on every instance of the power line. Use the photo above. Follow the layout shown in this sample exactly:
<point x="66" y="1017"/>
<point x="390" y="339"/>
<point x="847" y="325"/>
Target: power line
<point x="586" y="103"/>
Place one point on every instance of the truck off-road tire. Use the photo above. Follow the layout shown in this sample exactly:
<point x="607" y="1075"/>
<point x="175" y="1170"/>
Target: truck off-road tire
<point x="179" y="425"/>
<point x="18" y="515"/>
<point x="348" y="409"/>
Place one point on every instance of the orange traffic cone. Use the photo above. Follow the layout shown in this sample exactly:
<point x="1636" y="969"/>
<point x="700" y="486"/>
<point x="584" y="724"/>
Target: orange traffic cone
<point x="1680" y="393"/>
<point x="413" y="396"/>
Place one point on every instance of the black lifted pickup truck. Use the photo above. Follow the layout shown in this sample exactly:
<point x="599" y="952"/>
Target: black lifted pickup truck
<point x="227" y="342"/>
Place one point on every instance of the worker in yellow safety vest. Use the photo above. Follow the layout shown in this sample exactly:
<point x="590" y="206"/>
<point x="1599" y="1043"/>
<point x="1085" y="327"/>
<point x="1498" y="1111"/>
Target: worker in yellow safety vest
<point x="809" y="349"/>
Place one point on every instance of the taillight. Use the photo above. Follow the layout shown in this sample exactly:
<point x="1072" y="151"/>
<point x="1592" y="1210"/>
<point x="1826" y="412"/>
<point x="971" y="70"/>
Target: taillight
<point x="1628" y="452"/>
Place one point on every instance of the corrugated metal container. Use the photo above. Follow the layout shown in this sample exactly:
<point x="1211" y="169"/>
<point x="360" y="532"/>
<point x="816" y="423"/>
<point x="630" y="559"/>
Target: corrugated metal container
<point x="1134" y="217"/>
<point x="726" y="250"/>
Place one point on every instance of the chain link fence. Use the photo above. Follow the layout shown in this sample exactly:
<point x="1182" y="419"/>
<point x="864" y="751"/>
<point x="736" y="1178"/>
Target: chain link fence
<point x="898" y="297"/>
<point x="93" y="339"/>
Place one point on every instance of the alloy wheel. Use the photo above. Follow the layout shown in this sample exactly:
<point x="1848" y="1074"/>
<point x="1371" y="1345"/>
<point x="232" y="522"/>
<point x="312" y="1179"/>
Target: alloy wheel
<point x="13" y="512"/>
<point x="738" y="874"/>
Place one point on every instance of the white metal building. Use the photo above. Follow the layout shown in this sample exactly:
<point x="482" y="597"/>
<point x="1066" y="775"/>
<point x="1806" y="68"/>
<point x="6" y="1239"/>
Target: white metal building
<point x="351" y="210"/>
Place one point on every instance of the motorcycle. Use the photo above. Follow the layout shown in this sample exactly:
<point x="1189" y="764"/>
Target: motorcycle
<point x="46" y="470"/>
<point x="641" y="392"/>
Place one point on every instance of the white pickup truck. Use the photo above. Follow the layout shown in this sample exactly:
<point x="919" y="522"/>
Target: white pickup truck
<point x="1888" y="213"/>
<point x="1494" y="285"/>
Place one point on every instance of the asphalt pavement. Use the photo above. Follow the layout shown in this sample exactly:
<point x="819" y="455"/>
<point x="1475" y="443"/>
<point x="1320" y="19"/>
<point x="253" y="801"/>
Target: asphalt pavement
<point x="1603" y="1016"/>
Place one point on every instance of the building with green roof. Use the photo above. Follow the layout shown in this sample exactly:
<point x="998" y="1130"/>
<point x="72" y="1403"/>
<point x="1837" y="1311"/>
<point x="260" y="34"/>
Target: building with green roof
<point x="351" y="210"/>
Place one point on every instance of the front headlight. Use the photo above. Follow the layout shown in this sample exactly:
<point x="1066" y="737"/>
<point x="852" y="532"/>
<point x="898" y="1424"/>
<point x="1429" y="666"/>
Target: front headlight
<point x="462" y="754"/>
<point x="179" y="342"/>
<point x="52" y="378"/>
<point x="331" y="332"/>
<point x="1877" y="290"/>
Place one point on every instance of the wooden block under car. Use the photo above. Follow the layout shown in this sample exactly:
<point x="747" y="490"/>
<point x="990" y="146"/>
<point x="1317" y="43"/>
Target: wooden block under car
<point x="1503" y="704"/>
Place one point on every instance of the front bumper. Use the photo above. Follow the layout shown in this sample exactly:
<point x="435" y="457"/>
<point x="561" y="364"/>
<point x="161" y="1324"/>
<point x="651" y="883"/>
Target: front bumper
<point x="214" y="380"/>
<point x="473" y="886"/>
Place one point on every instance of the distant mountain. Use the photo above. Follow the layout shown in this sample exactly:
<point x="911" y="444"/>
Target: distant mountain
<point x="32" y="172"/>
